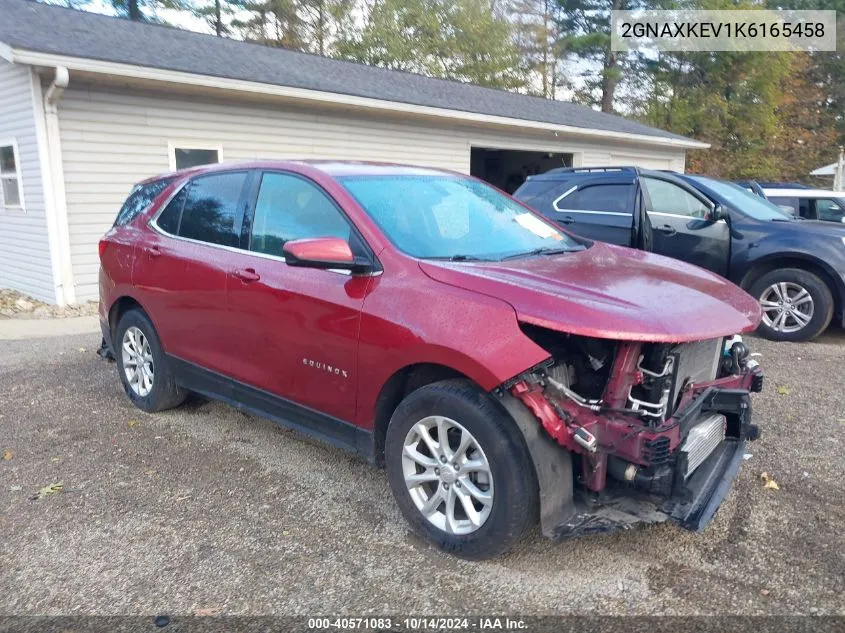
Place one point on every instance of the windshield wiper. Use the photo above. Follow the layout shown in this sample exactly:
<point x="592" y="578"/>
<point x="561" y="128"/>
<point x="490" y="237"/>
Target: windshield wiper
<point x="545" y="250"/>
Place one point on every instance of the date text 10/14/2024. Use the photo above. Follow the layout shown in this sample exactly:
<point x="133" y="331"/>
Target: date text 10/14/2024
<point x="418" y="623"/>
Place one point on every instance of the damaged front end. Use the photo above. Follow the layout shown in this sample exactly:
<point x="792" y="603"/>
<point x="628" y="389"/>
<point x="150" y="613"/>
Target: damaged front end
<point x="652" y="431"/>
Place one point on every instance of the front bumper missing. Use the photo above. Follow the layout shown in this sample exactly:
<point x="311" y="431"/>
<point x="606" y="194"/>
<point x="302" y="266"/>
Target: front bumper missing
<point x="693" y="500"/>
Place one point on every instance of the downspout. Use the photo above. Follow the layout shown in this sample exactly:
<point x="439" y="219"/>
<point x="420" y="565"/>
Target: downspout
<point x="67" y="293"/>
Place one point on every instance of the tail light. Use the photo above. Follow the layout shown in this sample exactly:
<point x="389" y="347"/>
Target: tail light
<point x="101" y="247"/>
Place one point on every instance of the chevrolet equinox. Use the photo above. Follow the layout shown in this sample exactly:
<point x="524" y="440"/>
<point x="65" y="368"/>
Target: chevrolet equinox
<point x="502" y="370"/>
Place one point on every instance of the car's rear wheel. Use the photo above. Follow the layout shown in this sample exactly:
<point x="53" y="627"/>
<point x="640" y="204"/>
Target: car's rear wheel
<point x="797" y="305"/>
<point x="460" y="471"/>
<point x="144" y="370"/>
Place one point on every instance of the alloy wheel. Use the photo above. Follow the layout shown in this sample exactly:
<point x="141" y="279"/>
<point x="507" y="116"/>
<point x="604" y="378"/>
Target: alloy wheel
<point x="787" y="307"/>
<point x="138" y="361"/>
<point x="447" y="475"/>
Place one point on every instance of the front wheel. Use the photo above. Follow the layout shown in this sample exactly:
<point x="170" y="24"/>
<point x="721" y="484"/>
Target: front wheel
<point x="460" y="471"/>
<point x="797" y="305"/>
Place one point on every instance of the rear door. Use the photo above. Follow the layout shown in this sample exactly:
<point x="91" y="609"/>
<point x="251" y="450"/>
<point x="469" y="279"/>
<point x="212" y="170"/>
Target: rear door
<point x="680" y="225"/>
<point x="180" y="268"/>
<point x="598" y="209"/>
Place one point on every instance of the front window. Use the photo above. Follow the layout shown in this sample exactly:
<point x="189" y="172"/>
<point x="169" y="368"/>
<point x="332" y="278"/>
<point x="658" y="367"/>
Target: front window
<point x="10" y="179"/>
<point x="666" y="197"/>
<point x="742" y="200"/>
<point x="450" y="217"/>
<point x="290" y="208"/>
<point x="830" y="210"/>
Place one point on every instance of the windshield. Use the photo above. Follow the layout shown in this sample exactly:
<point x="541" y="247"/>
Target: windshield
<point x="450" y="217"/>
<point x="743" y="200"/>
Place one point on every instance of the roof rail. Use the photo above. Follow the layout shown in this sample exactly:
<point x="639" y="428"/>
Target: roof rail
<point x="589" y="170"/>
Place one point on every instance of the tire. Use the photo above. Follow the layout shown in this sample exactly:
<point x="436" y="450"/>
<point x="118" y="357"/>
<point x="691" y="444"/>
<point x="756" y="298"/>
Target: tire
<point x="511" y="483"/>
<point x="160" y="392"/>
<point x="814" y="300"/>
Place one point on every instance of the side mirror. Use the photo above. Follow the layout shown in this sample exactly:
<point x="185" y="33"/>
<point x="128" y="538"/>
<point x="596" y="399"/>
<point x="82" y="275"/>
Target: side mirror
<point x="717" y="213"/>
<point x="324" y="253"/>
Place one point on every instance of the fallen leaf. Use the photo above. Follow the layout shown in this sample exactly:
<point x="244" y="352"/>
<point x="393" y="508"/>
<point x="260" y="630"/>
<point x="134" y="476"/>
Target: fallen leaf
<point x="48" y="490"/>
<point x="783" y="391"/>
<point x="55" y="459"/>
<point x="768" y="482"/>
<point x="285" y="533"/>
<point x="82" y="349"/>
<point x="206" y="611"/>
<point x="7" y="455"/>
<point x="132" y="423"/>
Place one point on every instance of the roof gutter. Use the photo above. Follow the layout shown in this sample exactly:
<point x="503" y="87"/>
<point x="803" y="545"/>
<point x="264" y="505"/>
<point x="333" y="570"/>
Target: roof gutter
<point x="173" y="76"/>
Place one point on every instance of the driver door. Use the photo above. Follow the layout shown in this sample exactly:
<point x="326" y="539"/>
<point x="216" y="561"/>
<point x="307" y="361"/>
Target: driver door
<point x="297" y="328"/>
<point x="681" y="227"/>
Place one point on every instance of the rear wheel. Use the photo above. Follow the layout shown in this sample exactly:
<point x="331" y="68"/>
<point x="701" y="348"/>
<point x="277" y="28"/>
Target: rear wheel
<point x="797" y="305"/>
<point x="144" y="370"/>
<point x="460" y="471"/>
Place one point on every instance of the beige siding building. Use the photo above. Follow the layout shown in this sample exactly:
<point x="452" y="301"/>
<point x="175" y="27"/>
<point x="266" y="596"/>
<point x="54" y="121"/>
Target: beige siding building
<point x="84" y="117"/>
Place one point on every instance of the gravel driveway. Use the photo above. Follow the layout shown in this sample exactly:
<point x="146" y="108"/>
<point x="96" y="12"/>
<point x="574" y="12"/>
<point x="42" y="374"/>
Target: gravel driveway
<point x="205" y="509"/>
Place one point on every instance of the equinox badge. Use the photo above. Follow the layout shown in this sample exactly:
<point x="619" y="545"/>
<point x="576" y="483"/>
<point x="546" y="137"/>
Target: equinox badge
<point x="337" y="371"/>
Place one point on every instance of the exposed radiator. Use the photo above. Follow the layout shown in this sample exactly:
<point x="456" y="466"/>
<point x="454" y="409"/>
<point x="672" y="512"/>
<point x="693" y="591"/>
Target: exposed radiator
<point x="696" y="362"/>
<point x="702" y="439"/>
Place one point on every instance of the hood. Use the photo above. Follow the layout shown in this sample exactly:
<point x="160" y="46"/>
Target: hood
<point x="610" y="292"/>
<point x="816" y="227"/>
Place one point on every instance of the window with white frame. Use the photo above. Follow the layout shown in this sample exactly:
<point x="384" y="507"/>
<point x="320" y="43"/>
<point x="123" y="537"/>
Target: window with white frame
<point x="11" y="193"/>
<point x="184" y="156"/>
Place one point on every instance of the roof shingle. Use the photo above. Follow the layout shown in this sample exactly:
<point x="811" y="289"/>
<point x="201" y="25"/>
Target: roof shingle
<point x="32" y="26"/>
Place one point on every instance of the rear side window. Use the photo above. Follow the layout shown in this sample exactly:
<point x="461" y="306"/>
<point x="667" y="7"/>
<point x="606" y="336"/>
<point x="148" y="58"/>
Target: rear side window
<point x="612" y="198"/>
<point x="210" y="209"/>
<point x="139" y="200"/>
<point x="168" y="220"/>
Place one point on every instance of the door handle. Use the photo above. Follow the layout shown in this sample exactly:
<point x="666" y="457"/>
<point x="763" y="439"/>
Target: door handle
<point x="248" y="275"/>
<point x="152" y="251"/>
<point x="567" y="219"/>
<point x="667" y="230"/>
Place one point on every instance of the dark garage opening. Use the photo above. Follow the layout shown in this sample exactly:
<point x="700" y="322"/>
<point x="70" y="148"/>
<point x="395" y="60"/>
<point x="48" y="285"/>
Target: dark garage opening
<point x="507" y="169"/>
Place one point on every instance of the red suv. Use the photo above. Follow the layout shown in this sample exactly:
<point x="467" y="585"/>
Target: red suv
<point x="499" y="368"/>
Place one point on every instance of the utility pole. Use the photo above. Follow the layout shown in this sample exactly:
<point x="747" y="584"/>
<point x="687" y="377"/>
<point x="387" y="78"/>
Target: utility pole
<point x="839" y="171"/>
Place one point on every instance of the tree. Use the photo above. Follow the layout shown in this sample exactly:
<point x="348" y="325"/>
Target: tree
<point x="826" y="69"/>
<point x="453" y="39"/>
<point x="146" y="10"/>
<point x="806" y="137"/>
<point x="217" y="13"/>
<point x="536" y="33"/>
<point x="272" y="23"/>
<point x="728" y="99"/>
<point x="314" y="26"/>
